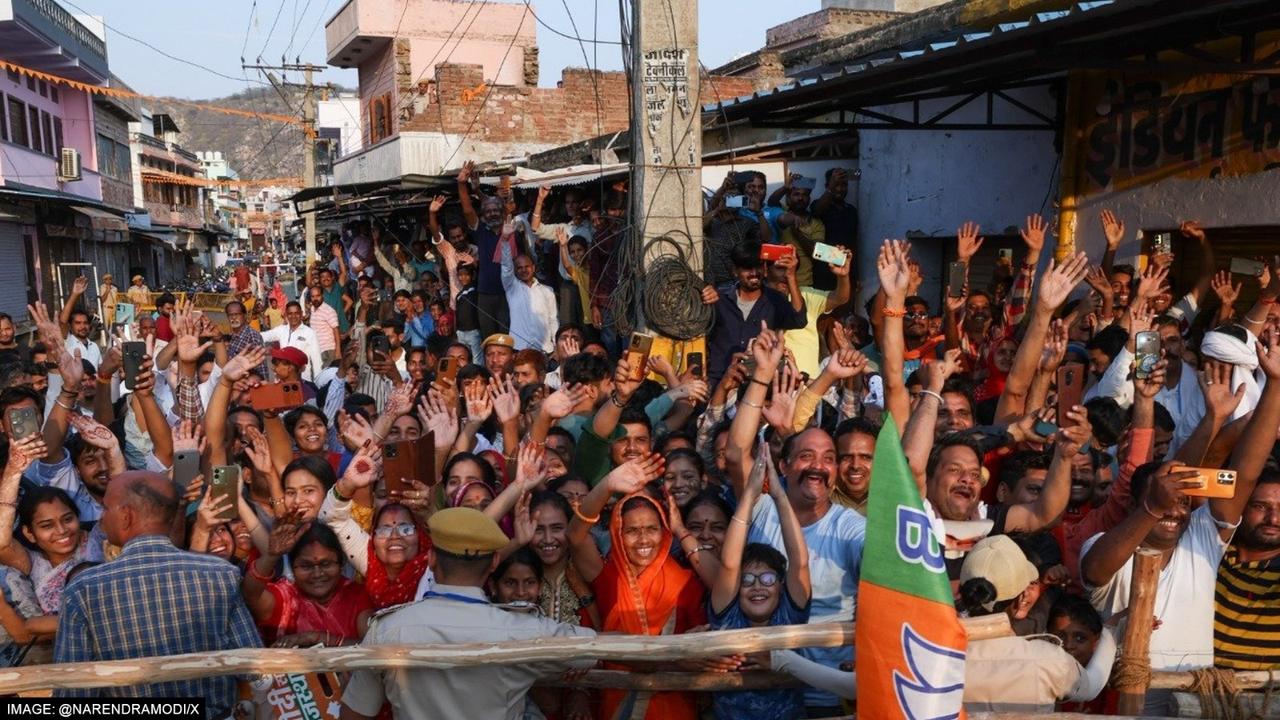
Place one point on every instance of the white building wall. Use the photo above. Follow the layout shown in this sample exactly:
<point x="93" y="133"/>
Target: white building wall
<point x="343" y="112"/>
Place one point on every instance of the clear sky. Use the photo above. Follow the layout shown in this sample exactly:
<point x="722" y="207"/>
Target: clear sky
<point x="215" y="34"/>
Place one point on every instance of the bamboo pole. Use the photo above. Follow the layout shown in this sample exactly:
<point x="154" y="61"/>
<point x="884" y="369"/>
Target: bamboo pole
<point x="677" y="681"/>
<point x="618" y="648"/>
<point x="1137" y="634"/>
<point x="1245" y="680"/>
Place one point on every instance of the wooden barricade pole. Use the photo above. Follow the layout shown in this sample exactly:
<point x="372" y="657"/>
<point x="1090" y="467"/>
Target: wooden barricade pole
<point x="1136" y="649"/>
<point x="620" y="648"/>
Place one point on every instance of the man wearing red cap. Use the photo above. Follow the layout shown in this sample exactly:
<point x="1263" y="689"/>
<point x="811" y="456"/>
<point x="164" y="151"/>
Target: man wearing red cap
<point x="294" y="334"/>
<point x="289" y="363"/>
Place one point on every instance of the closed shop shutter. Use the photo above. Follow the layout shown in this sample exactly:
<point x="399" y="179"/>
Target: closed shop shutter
<point x="13" y="272"/>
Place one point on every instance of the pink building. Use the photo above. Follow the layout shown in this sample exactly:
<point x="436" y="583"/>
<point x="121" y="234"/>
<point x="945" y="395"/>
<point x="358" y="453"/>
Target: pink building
<point x="51" y="216"/>
<point x="396" y="45"/>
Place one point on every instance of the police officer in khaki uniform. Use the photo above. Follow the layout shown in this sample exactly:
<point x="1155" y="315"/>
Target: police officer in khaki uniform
<point x="465" y="543"/>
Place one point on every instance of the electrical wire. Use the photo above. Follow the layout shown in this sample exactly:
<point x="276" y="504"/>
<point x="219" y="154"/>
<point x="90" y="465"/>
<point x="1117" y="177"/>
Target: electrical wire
<point x="488" y="93"/>
<point x="432" y="62"/>
<point x="566" y="35"/>
<point x="144" y="43"/>
<point x="272" y="31"/>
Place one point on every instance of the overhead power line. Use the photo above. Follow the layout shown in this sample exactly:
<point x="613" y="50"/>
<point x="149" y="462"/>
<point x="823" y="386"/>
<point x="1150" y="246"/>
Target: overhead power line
<point x="169" y="55"/>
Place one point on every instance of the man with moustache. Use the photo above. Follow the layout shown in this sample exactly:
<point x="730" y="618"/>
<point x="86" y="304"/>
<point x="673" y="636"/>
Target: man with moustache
<point x="833" y="533"/>
<point x="743" y="308"/>
<point x="1248" y="589"/>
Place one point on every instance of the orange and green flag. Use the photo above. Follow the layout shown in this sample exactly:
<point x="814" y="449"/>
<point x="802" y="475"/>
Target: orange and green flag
<point x="909" y="644"/>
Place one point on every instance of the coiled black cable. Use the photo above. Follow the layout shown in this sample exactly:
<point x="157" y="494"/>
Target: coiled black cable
<point x="673" y="291"/>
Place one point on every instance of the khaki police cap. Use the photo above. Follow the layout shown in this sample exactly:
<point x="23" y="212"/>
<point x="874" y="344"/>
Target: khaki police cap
<point x="500" y="339"/>
<point x="465" y="531"/>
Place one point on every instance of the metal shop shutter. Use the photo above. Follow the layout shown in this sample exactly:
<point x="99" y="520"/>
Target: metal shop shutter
<point x="13" y="272"/>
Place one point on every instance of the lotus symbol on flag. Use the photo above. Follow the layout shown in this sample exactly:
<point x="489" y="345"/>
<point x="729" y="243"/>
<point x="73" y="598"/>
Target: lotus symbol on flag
<point x="935" y="691"/>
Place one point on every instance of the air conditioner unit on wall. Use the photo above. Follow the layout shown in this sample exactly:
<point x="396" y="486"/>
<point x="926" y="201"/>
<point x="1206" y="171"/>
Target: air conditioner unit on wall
<point x="69" y="165"/>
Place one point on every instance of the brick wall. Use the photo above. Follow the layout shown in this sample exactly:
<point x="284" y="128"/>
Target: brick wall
<point x="557" y="116"/>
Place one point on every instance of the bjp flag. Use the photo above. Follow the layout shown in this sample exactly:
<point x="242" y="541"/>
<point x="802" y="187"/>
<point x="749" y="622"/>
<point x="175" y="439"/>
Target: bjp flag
<point x="910" y="646"/>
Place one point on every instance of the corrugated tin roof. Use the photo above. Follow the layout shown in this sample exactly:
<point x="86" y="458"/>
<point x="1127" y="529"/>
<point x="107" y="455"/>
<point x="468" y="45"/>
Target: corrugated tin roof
<point x="965" y="40"/>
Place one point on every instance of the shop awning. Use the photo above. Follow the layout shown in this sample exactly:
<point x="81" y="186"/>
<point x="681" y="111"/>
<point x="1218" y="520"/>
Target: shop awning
<point x="101" y="219"/>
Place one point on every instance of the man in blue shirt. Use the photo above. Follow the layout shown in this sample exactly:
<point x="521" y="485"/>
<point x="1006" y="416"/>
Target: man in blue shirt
<point x="153" y="600"/>
<point x="741" y="306"/>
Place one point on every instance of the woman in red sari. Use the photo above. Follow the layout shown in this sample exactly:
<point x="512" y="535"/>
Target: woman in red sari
<point x="640" y="589"/>
<point x="318" y="605"/>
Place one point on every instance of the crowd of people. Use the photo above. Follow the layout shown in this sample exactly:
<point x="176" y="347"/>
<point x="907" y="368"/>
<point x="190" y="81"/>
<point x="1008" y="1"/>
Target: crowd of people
<point x="567" y="486"/>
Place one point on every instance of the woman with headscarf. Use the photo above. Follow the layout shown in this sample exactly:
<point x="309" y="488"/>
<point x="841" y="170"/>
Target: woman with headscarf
<point x="393" y="558"/>
<point x="640" y="588"/>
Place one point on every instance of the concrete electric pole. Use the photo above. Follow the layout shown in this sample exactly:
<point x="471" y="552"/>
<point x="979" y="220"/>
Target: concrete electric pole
<point x="666" y="129"/>
<point x="308" y="135"/>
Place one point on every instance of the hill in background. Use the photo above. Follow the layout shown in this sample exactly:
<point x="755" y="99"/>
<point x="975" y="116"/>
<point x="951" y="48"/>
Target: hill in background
<point x="255" y="148"/>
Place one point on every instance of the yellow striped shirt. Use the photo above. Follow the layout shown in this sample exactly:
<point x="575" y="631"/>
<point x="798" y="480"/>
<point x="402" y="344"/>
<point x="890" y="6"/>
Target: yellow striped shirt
<point x="1246" y="626"/>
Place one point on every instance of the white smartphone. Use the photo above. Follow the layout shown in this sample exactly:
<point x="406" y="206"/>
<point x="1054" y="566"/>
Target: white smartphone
<point x="829" y="254"/>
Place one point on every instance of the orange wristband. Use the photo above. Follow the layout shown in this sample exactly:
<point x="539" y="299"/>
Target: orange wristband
<point x="890" y="312"/>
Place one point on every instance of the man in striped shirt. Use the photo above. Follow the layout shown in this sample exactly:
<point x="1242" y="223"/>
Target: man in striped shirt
<point x="1246" y="627"/>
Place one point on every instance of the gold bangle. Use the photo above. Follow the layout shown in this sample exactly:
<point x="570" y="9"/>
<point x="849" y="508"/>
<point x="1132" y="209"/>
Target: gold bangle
<point x="750" y="404"/>
<point x="584" y="518"/>
<point x="737" y="519"/>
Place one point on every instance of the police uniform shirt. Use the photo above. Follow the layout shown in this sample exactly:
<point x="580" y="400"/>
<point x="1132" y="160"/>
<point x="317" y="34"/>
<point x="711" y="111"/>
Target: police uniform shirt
<point x="453" y="614"/>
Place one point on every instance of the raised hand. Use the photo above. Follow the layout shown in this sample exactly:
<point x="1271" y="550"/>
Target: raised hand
<point x="24" y="452"/>
<point x="364" y="468"/>
<point x="1269" y="357"/>
<point x="633" y="475"/>
<point x="259" y="450"/>
<point x="468" y="168"/>
<point x="1033" y="234"/>
<point x="525" y="523"/>
<point x="956" y="305"/>
<point x="79" y="285"/>
<point x="355" y="430"/>
<point x="440" y="418"/>
<point x="285" y="534"/>
<point x="1061" y="279"/>
<point x="767" y="350"/>
<point x="1098" y="280"/>
<point x="400" y="400"/>
<point x="1153" y="383"/>
<point x="145" y="382"/>
<point x="891" y="265"/>
<point x="437" y="203"/>
<point x="782" y="408"/>
<point x="48" y="330"/>
<point x="209" y="512"/>
<point x="568" y="345"/>
<point x="112" y="360"/>
<point x="188" y="435"/>
<point x="479" y="403"/>
<point x="1222" y="287"/>
<point x="1113" y="228"/>
<point x="505" y="399"/>
<point x="1055" y="347"/>
<point x="842" y="270"/>
<point x="1193" y="229"/>
<point x="93" y="432"/>
<point x="1219" y="398"/>
<point x="560" y="403"/>
<point x="1150" y="281"/>
<point x="968" y="243"/>
<point x="846" y="363"/>
<point x="531" y="467"/>
<point x="1074" y="434"/>
<point x="238" y="367"/>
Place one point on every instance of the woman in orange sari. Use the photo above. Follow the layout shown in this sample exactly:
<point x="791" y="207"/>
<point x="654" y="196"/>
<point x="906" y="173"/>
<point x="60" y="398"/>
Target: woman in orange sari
<point x="639" y="588"/>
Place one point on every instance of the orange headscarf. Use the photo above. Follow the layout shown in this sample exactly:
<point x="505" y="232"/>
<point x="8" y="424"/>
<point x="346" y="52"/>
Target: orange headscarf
<point x="663" y="598"/>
